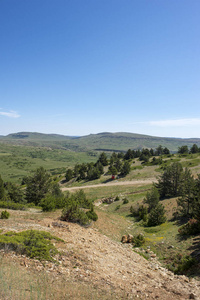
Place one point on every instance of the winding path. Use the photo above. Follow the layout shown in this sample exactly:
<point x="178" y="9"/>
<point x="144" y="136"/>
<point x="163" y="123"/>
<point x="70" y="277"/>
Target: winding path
<point x="113" y="183"/>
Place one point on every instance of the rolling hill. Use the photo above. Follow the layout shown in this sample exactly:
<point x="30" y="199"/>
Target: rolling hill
<point x="105" y="141"/>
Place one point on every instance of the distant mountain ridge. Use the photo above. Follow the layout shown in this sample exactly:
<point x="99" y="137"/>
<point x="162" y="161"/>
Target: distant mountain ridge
<point x="35" y="135"/>
<point x="104" y="141"/>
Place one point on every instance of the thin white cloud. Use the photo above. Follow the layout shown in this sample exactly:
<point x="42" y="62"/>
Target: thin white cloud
<point x="172" y="123"/>
<point x="10" y="114"/>
<point x="176" y="122"/>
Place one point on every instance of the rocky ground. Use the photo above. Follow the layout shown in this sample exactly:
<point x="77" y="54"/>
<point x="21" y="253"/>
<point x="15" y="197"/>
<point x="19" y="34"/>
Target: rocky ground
<point x="93" y="258"/>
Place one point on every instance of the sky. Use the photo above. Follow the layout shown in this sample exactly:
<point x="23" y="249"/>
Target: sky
<point x="77" y="67"/>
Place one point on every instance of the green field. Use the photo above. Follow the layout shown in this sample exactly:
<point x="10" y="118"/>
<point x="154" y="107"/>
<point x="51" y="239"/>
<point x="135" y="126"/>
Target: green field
<point x="19" y="161"/>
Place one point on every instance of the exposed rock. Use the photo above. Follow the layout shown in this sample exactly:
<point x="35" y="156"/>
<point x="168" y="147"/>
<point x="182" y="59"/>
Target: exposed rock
<point x="124" y="239"/>
<point x="129" y="238"/>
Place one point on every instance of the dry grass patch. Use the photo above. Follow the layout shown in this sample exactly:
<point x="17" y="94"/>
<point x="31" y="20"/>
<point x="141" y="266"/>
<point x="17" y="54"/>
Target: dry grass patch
<point x="18" y="282"/>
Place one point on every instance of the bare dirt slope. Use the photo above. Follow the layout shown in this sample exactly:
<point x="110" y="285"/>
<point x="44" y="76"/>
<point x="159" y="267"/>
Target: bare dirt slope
<point x="93" y="258"/>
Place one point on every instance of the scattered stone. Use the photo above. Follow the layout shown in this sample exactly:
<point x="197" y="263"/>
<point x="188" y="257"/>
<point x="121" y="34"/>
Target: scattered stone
<point x="60" y="225"/>
<point x="153" y="255"/>
<point x="129" y="238"/>
<point x="192" y="296"/>
<point x="171" y="247"/>
<point x="124" y="239"/>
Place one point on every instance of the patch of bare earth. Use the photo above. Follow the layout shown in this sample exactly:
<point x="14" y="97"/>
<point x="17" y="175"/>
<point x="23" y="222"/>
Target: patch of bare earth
<point x="92" y="258"/>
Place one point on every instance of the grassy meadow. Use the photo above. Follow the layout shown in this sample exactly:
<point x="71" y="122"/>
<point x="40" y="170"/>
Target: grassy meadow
<point x="19" y="161"/>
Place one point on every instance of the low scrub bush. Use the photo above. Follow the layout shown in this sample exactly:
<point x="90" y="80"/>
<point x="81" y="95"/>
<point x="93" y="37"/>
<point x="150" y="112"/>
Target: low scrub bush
<point x="33" y="243"/>
<point x="73" y="213"/>
<point x="48" y="203"/>
<point x="138" y="240"/>
<point x="92" y="215"/>
<point x="12" y="205"/>
<point x="140" y="212"/>
<point x="74" y="210"/>
<point x="181" y="264"/>
<point x="125" y="201"/>
<point x="5" y="214"/>
<point x="190" y="228"/>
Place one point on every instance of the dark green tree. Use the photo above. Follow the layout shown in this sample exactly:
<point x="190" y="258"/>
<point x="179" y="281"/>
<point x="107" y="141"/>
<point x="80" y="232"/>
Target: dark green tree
<point x="194" y="149"/>
<point x="157" y="215"/>
<point x="185" y="202"/>
<point x="2" y="190"/>
<point x="93" y="173"/>
<point x="118" y="164"/>
<point x="99" y="166"/>
<point x="183" y="150"/>
<point x="144" y="158"/>
<point x="129" y="155"/>
<point x="166" y="151"/>
<point x="170" y="182"/>
<point x="113" y="158"/>
<point x="112" y="170"/>
<point x="126" y="168"/>
<point x="14" y="192"/>
<point x="159" y="150"/>
<point x="38" y="186"/>
<point x="152" y="198"/>
<point x="69" y="175"/>
<point x="76" y="170"/>
<point x="103" y="159"/>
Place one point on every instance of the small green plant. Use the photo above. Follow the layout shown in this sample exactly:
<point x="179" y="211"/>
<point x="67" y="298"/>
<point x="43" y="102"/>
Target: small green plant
<point x="138" y="240"/>
<point x="33" y="243"/>
<point x="73" y="213"/>
<point x="140" y="212"/>
<point x="117" y="198"/>
<point x="181" y="264"/>
<point x="5" y="214"/>
<point x="12" y="205"/>
<point x="125" y="201"/>
<point x="48" y="203"/>
<point x="92" y="215"/>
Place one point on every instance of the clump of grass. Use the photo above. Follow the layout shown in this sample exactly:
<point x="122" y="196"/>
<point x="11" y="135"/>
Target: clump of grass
<point x="138" y="240"/>
<point x="33" y="243"/>
<point x="125" y="201"/>
<point x="5" y="214"/>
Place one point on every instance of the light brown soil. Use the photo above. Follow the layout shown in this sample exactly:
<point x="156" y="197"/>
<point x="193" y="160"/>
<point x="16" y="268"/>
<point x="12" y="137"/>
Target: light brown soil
<point x="93" y="258"/>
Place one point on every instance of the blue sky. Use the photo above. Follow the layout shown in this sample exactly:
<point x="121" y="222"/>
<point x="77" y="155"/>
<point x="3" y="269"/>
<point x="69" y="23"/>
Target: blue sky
<point x="77" y="67"/>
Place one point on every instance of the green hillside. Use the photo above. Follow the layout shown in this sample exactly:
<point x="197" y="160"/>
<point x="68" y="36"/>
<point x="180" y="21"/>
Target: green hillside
<point x="106" y="141"/>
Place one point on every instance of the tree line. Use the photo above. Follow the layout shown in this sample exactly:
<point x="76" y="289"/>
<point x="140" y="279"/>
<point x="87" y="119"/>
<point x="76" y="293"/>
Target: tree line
<point x="41" y="190"/>
<point x="117" y="165"/>
<point x="174" y="182"/>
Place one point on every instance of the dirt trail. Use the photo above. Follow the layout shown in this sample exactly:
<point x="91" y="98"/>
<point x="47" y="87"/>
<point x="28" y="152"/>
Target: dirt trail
<point x="93" y="258"/>
<point x="113" y="183"/>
